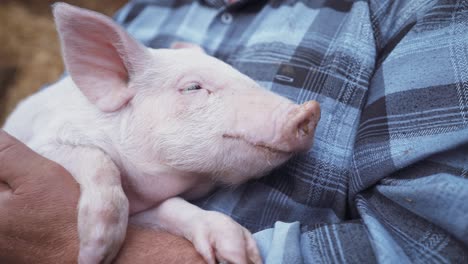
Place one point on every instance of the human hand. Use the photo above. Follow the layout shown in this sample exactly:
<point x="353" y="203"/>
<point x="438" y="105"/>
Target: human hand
<point x="38" y="201"/>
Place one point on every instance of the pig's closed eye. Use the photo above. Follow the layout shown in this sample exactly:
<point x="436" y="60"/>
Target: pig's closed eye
<point x="192" y="88"/>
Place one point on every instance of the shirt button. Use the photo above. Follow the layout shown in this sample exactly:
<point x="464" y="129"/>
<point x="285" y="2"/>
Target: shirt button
<point x="226" y="18"/>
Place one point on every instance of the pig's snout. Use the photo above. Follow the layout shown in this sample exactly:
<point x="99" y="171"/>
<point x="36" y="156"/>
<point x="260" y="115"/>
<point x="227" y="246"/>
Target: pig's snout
<point x="308" y="118"/>
<point x="298" y="133"/>
<point x="292" y="128"/>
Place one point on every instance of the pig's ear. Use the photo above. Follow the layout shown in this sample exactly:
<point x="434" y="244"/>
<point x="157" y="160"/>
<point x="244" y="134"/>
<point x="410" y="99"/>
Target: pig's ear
<point x="99" y="55"/>
<point x="186" y="45"/>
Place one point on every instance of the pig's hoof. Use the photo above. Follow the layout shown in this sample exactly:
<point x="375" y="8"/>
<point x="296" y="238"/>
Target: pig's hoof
<point x="219" y="239"/>
<point x="96" y="255"/>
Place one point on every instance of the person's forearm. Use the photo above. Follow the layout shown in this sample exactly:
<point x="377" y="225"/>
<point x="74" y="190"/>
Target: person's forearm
<point x="149" y="246"/>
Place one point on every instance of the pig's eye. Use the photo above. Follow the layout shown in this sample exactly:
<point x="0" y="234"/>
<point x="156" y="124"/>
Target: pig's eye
<point x="192" y="88"/>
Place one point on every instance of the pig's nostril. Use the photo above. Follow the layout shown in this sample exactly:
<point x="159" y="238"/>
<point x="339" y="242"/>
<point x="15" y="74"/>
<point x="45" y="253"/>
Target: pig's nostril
<point x="308" y="118"/>
<point x="304" y="128"/>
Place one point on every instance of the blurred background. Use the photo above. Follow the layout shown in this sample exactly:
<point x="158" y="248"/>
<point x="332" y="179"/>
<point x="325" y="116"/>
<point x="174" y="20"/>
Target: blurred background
<point x="29" y="48"/>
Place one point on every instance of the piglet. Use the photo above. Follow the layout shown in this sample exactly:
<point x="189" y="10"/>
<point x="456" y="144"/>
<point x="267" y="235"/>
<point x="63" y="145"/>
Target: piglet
<point x="142" y="130"/>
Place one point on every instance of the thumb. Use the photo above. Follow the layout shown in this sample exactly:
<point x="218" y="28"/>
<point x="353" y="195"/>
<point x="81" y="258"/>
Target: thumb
<point x="18" y="163"/>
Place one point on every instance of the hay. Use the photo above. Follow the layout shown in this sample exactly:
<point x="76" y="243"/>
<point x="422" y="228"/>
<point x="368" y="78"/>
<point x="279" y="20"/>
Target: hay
<point x="30" y="51"/>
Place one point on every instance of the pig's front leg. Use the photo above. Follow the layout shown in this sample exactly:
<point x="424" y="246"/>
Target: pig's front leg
<point x="214" y="235"/>
<point x="103" y="206"/>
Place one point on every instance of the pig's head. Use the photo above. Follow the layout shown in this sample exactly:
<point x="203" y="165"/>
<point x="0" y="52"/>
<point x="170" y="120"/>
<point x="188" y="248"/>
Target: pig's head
<point x="181" y="108"/>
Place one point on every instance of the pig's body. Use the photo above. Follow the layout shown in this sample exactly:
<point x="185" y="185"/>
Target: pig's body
<point x="61" y="114"/>
<point x="140" y="129"/>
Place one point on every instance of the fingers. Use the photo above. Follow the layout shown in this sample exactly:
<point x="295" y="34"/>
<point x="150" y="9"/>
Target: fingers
<point x="5" y="193"/>
<point x="4" y="187"/>
<point x="19" y="164"/>
<point x="16" y="160"/>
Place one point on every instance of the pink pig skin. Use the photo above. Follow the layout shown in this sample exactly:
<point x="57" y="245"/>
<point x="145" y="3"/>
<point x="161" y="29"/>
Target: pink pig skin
<point x="143" y="129"/>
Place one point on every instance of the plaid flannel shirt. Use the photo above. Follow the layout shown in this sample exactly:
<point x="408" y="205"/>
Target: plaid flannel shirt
<point x="386" y="180"/>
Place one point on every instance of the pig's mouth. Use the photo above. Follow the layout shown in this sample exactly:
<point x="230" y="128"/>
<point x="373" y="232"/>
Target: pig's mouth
<point x="261" y="146"/>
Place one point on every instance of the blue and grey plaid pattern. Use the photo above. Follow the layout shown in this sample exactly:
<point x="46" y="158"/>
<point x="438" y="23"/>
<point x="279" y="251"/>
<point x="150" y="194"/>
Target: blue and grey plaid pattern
<point x="386" y="180"/>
